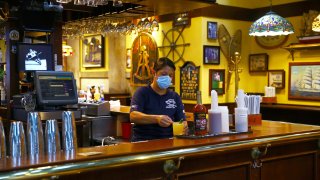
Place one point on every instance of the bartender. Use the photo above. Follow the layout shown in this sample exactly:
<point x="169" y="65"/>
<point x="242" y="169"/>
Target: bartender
<point x="155" y="107"/>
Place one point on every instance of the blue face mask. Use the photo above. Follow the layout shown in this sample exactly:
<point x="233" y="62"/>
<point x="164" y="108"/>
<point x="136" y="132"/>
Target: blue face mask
<point x="164" y="82"/>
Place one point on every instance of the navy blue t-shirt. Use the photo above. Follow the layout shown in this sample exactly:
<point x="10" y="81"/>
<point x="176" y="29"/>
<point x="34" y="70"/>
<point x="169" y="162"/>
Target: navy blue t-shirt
<point x="147" y="101"/>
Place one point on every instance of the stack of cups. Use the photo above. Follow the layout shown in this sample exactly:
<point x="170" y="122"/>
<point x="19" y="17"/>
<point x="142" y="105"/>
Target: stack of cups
<point x="17" y="140"/>
<point x="69" y="137"/>
<point x="52" y="137"/>
<point x="34" y="135"/>
<point x="2" y="142"/>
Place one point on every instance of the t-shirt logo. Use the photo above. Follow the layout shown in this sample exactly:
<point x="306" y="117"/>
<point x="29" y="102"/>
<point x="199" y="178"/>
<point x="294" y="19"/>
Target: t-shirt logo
<point x="171" y="104"/>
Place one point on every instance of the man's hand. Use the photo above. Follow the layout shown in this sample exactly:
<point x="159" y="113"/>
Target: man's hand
<point x="164" y="121"/>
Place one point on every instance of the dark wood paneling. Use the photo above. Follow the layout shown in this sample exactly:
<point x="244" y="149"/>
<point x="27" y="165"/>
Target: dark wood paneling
<point x="294" y="168"/>
<point x="291" y="113"/>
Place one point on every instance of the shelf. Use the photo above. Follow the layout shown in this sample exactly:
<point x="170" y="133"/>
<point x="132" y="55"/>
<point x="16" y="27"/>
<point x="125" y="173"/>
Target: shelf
<point x="297" y="46"/>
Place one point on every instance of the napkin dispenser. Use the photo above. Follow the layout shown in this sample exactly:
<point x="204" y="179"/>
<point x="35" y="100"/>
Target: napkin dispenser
<point x="97" y="109"/>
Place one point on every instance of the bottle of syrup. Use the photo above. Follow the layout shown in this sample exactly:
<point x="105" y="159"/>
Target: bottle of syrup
<point x="199" y="113"/>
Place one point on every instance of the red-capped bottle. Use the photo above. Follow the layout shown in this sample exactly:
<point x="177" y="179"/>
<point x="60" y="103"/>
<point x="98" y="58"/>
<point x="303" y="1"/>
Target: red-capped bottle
<point x="199" y="114"/>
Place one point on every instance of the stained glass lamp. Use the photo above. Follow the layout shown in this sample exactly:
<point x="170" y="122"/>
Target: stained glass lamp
<point x="316" y="24"/>
<point x="271" y="24"/>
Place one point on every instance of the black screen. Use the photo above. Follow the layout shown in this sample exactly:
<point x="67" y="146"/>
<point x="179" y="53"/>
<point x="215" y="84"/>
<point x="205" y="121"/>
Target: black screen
<point x="55" y="88"/>
<point x="35" y="57"/>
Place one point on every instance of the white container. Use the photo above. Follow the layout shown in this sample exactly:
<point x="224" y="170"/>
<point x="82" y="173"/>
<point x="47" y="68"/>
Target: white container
<point x="225" y="118"/>
<point x="214" y="121"/>
<point x="241" y="119"/>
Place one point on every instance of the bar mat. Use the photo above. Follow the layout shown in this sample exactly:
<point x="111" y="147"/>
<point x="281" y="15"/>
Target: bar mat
<point x="232" y="132"/>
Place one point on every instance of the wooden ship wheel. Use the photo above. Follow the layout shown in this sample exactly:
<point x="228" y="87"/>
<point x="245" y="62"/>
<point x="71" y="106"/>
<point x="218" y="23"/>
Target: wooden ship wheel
<point x="173" y="44"/>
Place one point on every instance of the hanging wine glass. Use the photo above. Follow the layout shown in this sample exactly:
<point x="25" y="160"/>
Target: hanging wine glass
<point x="154" y="25"/>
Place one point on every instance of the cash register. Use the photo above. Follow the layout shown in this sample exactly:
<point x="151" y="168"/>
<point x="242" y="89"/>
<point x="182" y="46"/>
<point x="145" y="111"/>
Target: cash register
<point x="55" y="91"/>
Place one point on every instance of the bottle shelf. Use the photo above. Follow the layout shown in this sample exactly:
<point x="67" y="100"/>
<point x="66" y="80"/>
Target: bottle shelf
<point x="298" y="46"/>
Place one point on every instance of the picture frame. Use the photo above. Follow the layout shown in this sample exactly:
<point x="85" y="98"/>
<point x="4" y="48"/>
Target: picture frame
<point x="304" y="78"/>
<point x="189" y="80"/>
<point x="93" y="51"/>
<point x="217" y="81"/>
<point x="211" y="54"/>
<point x="276" y="78"/>
<point x="258" y="62"/>
<point x="129" y="58"/>
<point x="212" y="30"/>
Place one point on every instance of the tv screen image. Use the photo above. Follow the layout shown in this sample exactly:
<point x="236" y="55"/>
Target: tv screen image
<point x="35" y="57"/>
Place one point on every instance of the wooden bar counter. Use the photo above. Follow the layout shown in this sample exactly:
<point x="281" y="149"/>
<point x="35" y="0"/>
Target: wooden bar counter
<point x="275" y="150"/>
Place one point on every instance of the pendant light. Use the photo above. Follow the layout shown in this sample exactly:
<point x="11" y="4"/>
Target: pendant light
<point x="271" y="24"/>
<point x="316" y="24"/>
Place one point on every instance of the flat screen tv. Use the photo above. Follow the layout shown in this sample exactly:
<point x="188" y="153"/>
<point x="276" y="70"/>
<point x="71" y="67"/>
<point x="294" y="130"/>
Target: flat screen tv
<point x="35" y="57"/>
<point x="55" y="88"/>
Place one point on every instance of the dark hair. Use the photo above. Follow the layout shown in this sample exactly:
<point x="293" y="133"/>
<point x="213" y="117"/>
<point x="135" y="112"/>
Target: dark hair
<point x="163" y="62"/>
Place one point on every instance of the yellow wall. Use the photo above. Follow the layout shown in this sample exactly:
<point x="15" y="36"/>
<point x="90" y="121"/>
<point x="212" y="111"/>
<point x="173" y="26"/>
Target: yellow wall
<point x="279" y="58"/>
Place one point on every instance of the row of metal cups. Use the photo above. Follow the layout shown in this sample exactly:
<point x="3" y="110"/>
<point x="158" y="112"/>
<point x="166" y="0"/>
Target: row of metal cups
<point x="39" y="143"/>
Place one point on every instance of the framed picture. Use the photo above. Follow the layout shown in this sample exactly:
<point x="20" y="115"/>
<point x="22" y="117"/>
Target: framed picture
<point x="276" y="78"/>
<point x="217" y="80"/>
<point x="304" y="81"/>
<point x="258" y="62"/>
<point x="93" y="51"/>
<point x="129" y="58"/>
<point x="212" y="30"/>
<point x="211" y="54"/>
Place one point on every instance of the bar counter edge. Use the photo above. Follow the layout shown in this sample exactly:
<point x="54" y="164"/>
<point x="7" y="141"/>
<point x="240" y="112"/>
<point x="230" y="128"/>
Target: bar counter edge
<point x="265" y="144"/>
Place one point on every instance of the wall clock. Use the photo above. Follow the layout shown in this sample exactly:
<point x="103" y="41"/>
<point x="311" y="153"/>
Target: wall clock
<point x="271" y="42"/>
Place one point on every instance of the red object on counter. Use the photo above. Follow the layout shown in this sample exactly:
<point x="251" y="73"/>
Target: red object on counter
<point x="126" y="130"/>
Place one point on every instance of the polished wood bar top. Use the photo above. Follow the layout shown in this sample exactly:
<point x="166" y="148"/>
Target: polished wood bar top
<point x="270" y="132"/>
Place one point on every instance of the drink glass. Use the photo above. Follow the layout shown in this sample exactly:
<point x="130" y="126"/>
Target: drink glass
<point x="34" y="135"/>
<point x="2" y="141"/>
<point x="52" y="137"/>
<point x="69" y="131"/>
<point x="177" y="128"/>
<point x="17" y="140"/>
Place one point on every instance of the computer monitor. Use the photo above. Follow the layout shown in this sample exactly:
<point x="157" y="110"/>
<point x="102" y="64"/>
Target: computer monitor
<point x="35" y="57"/>
<point x="55" y="88"/>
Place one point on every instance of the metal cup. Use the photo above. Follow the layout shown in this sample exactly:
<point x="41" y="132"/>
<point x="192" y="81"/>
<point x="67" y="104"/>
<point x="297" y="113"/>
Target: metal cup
<point x="17" y="140"/>
<point x="2" y="141"/>
<point x="34" y="135"/>
<point x="69" y="137"/>
<point x="52" y="137"/>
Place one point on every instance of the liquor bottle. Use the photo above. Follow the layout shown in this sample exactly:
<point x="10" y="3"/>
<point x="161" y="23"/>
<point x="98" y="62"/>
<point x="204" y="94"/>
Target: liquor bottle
<point x="199" y="114"/>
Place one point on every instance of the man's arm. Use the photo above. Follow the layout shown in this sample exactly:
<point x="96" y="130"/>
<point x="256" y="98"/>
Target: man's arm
<point x="142" y="118"/>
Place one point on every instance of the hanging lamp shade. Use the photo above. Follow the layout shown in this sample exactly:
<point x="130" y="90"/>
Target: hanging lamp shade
<point x="316" y="24"/>
<point x="271" y="24"/>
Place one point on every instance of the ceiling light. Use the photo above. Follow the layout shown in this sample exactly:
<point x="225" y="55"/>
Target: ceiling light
<point x="316" y="24"/>
<point x="271" y="24"/>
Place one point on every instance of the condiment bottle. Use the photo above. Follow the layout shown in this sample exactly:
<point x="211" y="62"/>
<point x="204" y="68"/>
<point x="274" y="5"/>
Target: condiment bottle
<point x="199" y="113"/>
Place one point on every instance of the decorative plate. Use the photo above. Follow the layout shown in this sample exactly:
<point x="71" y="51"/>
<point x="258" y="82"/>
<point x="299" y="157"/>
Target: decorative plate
<point x="271" y="42"/>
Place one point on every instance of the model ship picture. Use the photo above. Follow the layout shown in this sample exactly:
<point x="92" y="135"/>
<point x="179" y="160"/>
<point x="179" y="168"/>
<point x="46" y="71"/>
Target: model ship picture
<point x="308" y="80"/>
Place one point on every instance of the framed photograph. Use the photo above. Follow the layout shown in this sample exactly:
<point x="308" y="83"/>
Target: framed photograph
<point x="217" y="80"/>
<point x="211" y="54"/>
<point x="212" y="30"/>
<point x="93" y="51"/>
<point x="276" y="78"/>
<point x="304" y="81"/>
<point x="258" y="62"/>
